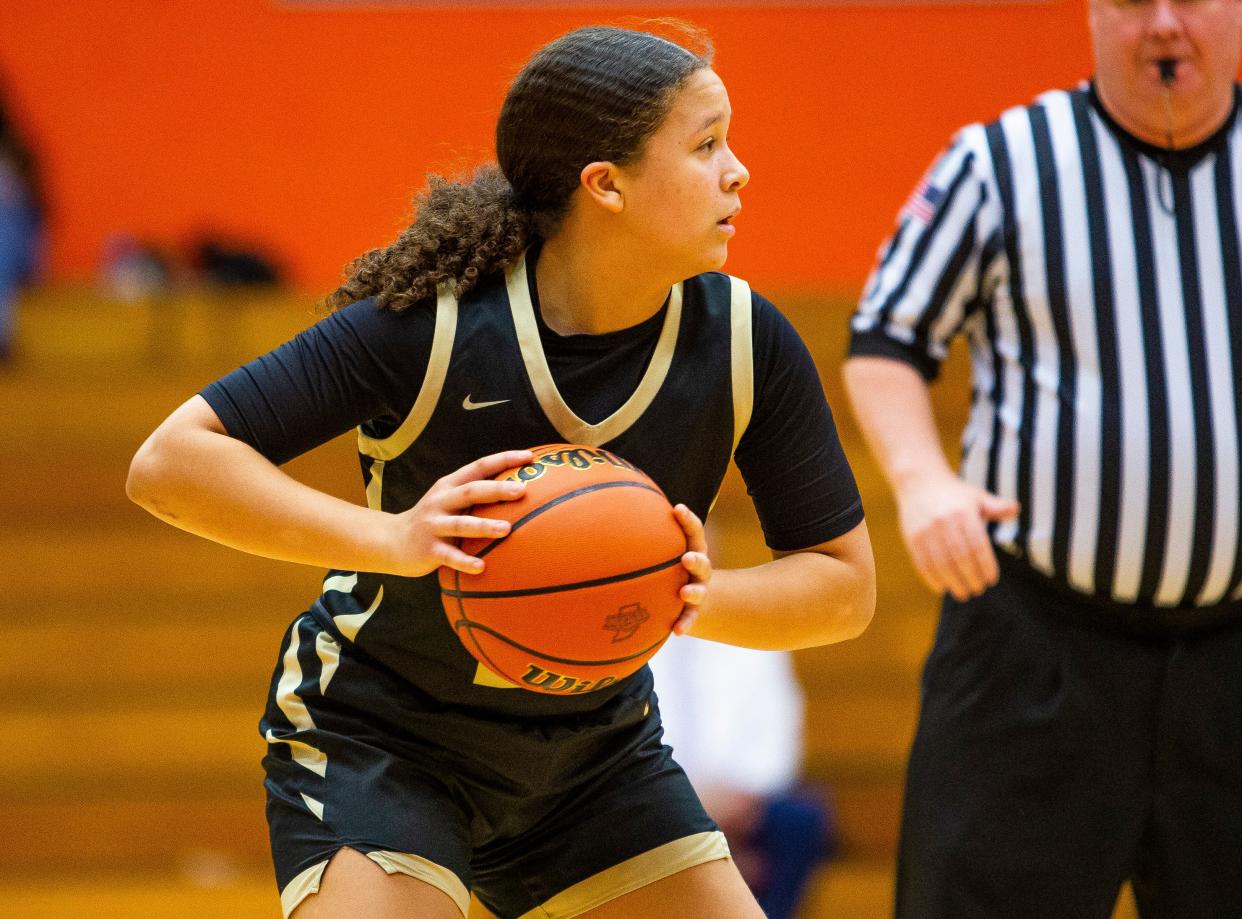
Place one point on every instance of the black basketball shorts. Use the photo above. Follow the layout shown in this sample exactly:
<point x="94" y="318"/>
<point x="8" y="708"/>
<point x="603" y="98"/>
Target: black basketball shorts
<point x="546" y="819"/>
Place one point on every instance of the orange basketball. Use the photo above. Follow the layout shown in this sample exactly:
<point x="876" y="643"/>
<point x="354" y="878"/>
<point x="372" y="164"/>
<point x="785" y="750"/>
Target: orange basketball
<point x="584" y="588"/>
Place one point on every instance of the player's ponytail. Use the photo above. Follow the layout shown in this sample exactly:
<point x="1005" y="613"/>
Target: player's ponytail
<point x="595" y="94"/>
<point x="461" y="231"/>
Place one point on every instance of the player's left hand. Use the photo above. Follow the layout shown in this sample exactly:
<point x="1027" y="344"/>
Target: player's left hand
<point x="696" y="562"/>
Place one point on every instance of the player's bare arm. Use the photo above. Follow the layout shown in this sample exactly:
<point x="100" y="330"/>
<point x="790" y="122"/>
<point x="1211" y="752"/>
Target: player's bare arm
<point x="816" y="596"/>
<point x="192" y="474"/>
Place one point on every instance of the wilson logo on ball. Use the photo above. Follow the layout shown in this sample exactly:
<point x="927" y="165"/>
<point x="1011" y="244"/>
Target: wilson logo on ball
<point x="565" y="457"/>
<point x="585" y="587"/>
<point x="541" y="680"/>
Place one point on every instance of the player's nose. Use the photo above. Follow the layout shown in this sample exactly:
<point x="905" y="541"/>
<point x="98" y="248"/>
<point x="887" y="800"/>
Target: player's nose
<point x="735" y="175"/>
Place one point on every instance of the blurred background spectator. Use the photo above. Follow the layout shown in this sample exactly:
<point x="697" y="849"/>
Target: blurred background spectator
<point x="21" y="222"/>
<point x="134" y="271"/>
<point x="212" y="269"/>
<point x="222" y="262"/>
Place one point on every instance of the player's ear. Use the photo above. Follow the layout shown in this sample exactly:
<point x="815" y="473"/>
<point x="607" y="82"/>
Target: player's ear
<point x="599" y="180"/>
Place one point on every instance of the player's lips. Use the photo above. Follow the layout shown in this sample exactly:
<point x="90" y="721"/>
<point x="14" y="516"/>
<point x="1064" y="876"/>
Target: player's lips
<point x="726" y="223"/>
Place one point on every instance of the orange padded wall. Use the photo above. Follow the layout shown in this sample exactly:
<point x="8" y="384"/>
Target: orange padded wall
<point x="308" y="126"/>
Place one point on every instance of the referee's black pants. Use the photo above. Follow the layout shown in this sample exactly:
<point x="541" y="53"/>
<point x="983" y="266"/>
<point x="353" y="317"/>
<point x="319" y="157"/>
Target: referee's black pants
<point x="1055" y="759"/>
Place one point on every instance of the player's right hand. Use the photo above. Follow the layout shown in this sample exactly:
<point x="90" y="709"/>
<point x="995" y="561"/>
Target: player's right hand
<point x="424" y="537"/>
<point x="943" y="522"/>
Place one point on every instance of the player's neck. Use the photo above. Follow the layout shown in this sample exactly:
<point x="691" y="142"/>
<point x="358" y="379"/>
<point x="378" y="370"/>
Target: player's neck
<point x="591" y="289"/>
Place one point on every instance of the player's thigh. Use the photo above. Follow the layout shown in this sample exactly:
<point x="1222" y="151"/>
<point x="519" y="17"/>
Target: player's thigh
<point x="713" y="889"/>
<point x="353" y="885"/>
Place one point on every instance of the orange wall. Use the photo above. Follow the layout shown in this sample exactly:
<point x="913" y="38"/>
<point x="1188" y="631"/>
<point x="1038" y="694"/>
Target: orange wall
<point x="309" y="127"/>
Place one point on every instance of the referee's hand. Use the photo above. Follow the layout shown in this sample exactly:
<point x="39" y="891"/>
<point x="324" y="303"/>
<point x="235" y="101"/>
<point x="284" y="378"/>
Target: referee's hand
<point x="943" y="522"/>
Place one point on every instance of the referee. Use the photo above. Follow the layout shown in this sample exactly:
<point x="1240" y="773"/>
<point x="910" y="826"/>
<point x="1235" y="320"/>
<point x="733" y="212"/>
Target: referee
<point x="1081" y="720"/>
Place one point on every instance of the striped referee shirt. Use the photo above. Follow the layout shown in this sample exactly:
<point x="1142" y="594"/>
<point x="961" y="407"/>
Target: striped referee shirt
<point x="1099" y="283"/>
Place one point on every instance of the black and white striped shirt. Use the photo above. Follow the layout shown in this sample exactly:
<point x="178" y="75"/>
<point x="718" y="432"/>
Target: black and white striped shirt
<point x="1099" y="282"/>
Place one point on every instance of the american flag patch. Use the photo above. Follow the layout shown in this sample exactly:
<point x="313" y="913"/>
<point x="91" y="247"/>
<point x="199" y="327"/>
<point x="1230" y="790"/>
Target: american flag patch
<point x="923" y="202"/>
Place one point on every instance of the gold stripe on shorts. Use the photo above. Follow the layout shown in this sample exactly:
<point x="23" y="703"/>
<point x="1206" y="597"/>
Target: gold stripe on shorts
<point x="301" y="887"/>
<point x="415" y="866"/>
<point x="631" y="874"/>
<point x="427" y="871"/>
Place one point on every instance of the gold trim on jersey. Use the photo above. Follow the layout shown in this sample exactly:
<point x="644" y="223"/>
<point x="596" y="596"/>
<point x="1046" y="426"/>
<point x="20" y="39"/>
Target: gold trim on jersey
<point x="329" y="651"/>
<point x="349" y="624"/>
<point x="392" y="446"/>
<point x="631" y="874"/>
<point x="375" y="483"/>
<point x="742" y="356"/>
<point x="291" y="704"/>
<point x="344" y="583"/>
<point x="563" y="418"/>
<point x="415" y="866"/>
<point x="316" y="807"/>
<point x="741" y="361"/>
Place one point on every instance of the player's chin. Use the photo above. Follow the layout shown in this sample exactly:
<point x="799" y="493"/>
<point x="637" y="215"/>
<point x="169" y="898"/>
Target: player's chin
<point x="716" y="256"/>
<point x="702" y="256"/>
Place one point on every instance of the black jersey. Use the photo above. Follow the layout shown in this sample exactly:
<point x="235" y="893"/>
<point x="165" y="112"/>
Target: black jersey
<point x="716" y="370"/>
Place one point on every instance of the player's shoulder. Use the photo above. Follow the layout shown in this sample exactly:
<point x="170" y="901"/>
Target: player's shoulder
<point x="722" y="284"/>
<point x="488" y="301"/>
<point x="491" y="291"/>
<point x="367" y="319"/>
<point x="768" y="324"/>
<point x="719" y="288"/>
<point x="374" y="334"/>
<point x="710" y="285"/>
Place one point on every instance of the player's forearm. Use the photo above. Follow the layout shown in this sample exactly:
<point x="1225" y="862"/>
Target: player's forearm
<point x="893" y="409"/>
<point x="800" y="600"/>
<point x="210" y="484"/>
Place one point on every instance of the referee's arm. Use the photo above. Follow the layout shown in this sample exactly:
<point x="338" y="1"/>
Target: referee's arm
<point x="942" y="517"/>
<point x="927" y="281"/>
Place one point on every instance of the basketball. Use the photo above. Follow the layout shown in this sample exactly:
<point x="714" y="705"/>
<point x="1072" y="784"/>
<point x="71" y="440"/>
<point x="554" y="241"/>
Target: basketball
<point x="584" y="588"/>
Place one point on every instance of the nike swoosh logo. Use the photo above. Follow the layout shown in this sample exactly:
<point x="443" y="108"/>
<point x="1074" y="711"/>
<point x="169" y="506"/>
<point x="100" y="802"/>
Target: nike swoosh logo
<point x="470" y="405"/>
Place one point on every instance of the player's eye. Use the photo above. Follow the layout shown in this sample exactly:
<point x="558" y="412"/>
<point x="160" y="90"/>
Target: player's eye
<point x="709" y="145"/>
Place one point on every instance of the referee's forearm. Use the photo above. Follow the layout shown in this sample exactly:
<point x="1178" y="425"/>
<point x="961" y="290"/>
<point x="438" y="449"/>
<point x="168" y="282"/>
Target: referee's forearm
<point x="892" y="406"/>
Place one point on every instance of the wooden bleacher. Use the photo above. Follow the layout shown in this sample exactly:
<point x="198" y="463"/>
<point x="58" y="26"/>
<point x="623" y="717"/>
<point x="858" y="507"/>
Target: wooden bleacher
<point x="139" y="656"/>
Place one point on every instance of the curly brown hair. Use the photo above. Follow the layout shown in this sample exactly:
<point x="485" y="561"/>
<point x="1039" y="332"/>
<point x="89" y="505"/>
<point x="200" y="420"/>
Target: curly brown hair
<point x="594" y="94"/>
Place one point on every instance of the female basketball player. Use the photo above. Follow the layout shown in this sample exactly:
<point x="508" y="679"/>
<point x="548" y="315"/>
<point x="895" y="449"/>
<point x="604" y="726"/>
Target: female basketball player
<point x="569" y="295"/>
